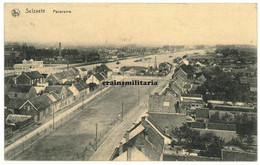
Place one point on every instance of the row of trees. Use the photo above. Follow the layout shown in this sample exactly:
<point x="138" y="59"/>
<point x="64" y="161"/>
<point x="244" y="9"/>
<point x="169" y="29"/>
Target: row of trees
<point x="222" y="86"/>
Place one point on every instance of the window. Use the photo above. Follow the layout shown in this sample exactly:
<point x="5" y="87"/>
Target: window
<point x="166" y="104"/>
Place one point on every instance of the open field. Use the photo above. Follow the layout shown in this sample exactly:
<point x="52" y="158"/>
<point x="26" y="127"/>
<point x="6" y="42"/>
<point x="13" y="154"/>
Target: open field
<point x="75" y="139"/>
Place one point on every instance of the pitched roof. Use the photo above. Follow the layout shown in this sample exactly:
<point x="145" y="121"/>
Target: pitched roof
<point x="15" y="103"/>
<point x="99" y="77"/>
<point x="83" y="84"/>
<point x="20" y="88"/>
<point x="54" y="95"/>
<point x="136" y="155"/>
<point x="79" y="87"/>
<point x="175" y="88"/>
<point x="162" y="103"/>
<point x="60" y="75"/>
<point x="102" y="68"/>
<point x="33" y="74"/>
<point x="103" y="75"/>
<point x="69" y="92"/>
<point x="181" y="74"/>
<point x="42" y="101"/>
<point x="55" y="88"/>
<point x="10" y="79"/>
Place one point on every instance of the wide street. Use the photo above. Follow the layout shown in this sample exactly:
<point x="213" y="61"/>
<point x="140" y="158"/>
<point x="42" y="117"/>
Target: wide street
<point x="75" y="140"/>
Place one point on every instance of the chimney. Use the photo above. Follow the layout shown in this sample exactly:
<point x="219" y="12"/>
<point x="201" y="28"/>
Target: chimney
<point x="127" y="136"/>
<point x="120" y="148"/>
<point x="143" y="119"/>
<point x="60" y="49"/>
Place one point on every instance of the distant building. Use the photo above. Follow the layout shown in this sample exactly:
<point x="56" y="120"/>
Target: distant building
<point x="191" y="101"/>
<point x="28" y="65"/>
<point x="62" y="77"/>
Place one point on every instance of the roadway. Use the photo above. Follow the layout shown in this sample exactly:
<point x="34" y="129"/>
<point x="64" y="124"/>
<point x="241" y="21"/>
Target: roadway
<point x="107" y="148"/>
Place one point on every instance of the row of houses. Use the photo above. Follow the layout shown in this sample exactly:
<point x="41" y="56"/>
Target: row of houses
<point x="33" y="94"/>
<point x="40" y="103"/>
<point x="150" y="138"/>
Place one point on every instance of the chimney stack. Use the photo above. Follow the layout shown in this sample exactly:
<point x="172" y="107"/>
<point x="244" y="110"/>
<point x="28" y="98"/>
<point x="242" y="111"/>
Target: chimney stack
<point x="127" y="136"/>
<point x="60" y="49"/>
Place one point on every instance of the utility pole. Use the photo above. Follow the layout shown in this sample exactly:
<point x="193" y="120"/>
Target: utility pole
<point x="122" y="111"/>
<point x="53" y="118"/>
<point x="101" y="90"/>
<point x="138" y="96"/>
<point x="96" y="136"/>
<point x="83" y="102"/>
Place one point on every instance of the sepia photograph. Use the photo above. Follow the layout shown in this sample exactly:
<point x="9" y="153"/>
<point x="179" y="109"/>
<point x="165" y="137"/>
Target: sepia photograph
<point x="130" y="82"/>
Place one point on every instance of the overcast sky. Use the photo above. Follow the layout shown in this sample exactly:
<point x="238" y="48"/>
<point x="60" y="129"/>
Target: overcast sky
<point x="173" y="24"/>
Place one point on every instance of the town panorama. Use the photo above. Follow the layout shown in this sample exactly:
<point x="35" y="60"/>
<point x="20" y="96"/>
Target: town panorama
<point x="128" y="101"/>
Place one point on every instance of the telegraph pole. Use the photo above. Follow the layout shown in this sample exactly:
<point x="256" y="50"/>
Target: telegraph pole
<point x="138" y="96"/>
<point x="101" y="90"/>
<point x="83" y="102"/>
<point x="96" y="136"/>
<point x="122" y="111"/>
<point x="53" y="118"/>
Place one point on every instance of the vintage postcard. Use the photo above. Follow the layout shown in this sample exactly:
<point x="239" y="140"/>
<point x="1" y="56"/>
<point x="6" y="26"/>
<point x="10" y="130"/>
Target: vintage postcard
<point x="130" y="82"/>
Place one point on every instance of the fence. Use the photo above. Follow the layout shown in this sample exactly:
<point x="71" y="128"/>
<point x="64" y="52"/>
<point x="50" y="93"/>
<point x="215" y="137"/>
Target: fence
<point x="25" y="142"/>
<point x="41" y="133"/>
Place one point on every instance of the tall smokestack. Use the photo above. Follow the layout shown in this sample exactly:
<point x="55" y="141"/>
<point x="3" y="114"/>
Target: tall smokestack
<point x="155" y="63"/>
<point x="60" y="49"/>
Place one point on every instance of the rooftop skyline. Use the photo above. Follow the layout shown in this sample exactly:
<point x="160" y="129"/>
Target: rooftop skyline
<point x="143" y="24"/>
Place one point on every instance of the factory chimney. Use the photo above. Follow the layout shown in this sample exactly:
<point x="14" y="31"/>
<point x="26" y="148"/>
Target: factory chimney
<point x="60" y="49"/>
